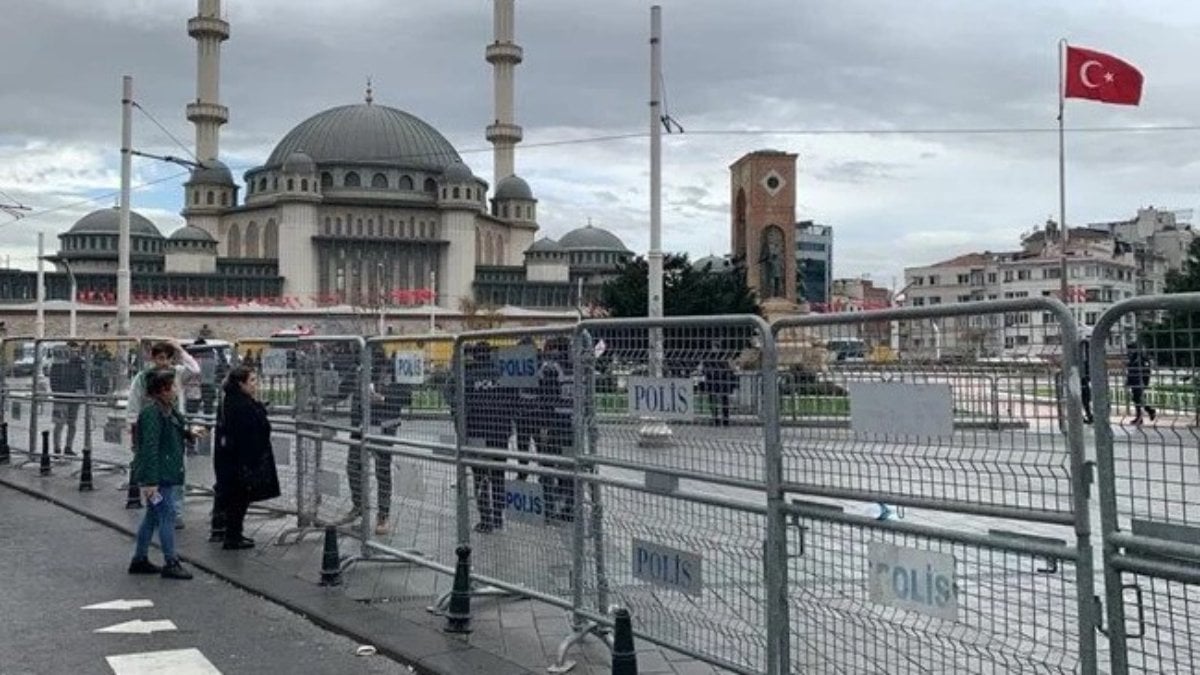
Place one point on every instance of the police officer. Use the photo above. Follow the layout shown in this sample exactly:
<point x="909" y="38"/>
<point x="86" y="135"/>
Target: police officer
<point x="526" y="416"/>
<point x="487" y="422"/>
<point x="556" y="396"/>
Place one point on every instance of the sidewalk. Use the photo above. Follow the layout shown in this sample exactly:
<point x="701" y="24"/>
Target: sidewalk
<point x="381" y="605"/>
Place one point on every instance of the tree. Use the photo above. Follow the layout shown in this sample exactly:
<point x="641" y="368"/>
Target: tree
<point x="686" y="292"/>
<point x="1174" y="340"/>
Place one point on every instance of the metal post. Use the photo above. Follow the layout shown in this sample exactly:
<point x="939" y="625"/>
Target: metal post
<point x="776" y="555"/>
<point x="432" y="301"/>
<point x="364" y="390"/>
<point x="40" y="324"/>
<point x="123" y="279"/>
<point x="462" y="508"/>
<point x="655" y="432"/>
<point x="74" y="295"/>
<point x="1062" y="178"/>
<point x="33" y="396"/>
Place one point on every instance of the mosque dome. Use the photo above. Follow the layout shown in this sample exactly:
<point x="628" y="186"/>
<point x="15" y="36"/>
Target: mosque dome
<point x="546" y="245"/>
<point x="458" y="172"/>
<point x="214" y="172"/>
<point x="591" y="238"/>
<point x="191" y="233"/>
<point x="108" y="221"/>
<point x="299" y="162"/>
<point x="367" y="134"/>
<point x="513" y="187"/>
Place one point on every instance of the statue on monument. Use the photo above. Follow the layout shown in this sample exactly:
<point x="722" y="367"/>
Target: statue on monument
<point x="771" y="265"/>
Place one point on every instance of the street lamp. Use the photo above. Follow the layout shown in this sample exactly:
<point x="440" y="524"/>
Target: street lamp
<point x="74" y="290"/>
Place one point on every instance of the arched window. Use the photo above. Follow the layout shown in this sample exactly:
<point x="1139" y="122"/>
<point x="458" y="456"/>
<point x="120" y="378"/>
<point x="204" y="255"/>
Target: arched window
<point x="504" y="211"/>
<point x="489" y="256"/>
<point x="250" y="246"/>
<point x="262" y="184"/>
<point x="360" y="227"/>
<point x="339" y="227"/>
<point x="352" y="180"/>
<point x="406" y="183"/>
<point x="271" y="240"/>
<point x="469" y="193"/>
<point x="233" y="242"/>
<point x="444" y="193"/>
<point x="326" y="179"/>
<point x="275" y="183"/>
<point x="328" y="225"/>
<point x="210" y="197"/>
<point x="370" y="227"/>
<point x="291" y="184"/>
<point x="195" y="196"/>
<point x="431" y="186"/>
<point x="391" y="228"/>
<point x="379" y="181"/>
<point x="224" y="198"/>
<point x="304" y="185"/>
<point x="456" y="192"/>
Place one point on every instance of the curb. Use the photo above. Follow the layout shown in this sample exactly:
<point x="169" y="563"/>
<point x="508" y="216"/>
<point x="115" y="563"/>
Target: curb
<point x="425" y="651"/>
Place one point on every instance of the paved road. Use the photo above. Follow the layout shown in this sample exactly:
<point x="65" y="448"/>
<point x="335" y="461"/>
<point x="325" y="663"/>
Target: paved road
<point x="56" y="562"/>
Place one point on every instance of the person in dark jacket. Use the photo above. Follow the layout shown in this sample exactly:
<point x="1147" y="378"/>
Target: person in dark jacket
<point x="526" y="416"/>
<point x="243" y="459"/>
<point x="66" y="379"/>
<point x="381" y="410"/>
<point x="1085" y="379"/>
<point x="556" y="395"/>
<point x="488" y="423"/>
<point x="158" y="472"/>
<point x="719" y="383"/>
<point x="1137" y="378"/>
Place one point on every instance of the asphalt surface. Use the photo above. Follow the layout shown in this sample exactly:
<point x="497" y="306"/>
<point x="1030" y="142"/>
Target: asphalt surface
<point x="56" y="562"/>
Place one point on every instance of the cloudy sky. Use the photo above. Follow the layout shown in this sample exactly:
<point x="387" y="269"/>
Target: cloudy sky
<point x="737" y="80"/>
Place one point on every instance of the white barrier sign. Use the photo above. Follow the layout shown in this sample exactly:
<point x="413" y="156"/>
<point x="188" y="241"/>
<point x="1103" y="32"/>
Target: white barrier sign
<point x="913" y="579"/>
<point x="662" y="397"/>
<point x="410" y="367"/>
<point x="275" y="362"/>
<point x="897" y="409"/>
<point x="517" y="366"/>
<point x="524" y="502"/>
<point x="667" y="567"/>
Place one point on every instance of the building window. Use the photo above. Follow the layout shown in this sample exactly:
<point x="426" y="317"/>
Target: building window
<point x="210" y="198"/>
<point x="352" y="180"/>
<point x="964" y="279"/>
<point x="360" y="227"/>
<point x="234" y="242"/>
<point x="326" y="179"/>
<point x="379" y="181"/>
<point x="456" y="193"/>
<point x="406" y="183"/>
<point x="391" y="228"/>
<point x="224" y="198"/>
<point x="991" y="277"/>
<point x="1051" y="273"/>
<point x="339" y="227"/>
<point x="275" y="183"/>
<point x="1008" y="275"/>
<point x="1023" y="275"/>
<point x="195" y="196"/>
<point x="431" y="186"/>
<point x="291" y="184"/>
<point x="262" y="184"/>
<point x="370" y="227"/>
<point x="304" y="185"/>
<point x="504" y="211"/>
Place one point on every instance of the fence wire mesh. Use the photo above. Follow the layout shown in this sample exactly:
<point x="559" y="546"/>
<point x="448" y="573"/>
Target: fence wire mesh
<point x="965" y="409"/>
<point x="1147" y="351"/>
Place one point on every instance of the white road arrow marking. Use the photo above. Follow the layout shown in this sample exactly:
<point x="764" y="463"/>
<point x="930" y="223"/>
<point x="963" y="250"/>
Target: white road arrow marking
<point x="138" y="626"/>
<point x="175" y="662"/>
<point x="121" y="605"/>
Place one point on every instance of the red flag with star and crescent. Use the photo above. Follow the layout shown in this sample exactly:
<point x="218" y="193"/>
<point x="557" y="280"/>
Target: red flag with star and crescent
<point x="1101" y="77"/>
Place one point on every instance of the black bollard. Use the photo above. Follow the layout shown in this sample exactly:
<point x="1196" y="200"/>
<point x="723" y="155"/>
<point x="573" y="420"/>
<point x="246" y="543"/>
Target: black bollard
<point x="44" y="467"/>
<point x="5" y="451"/>
<point x="85" y="472"/>
<point x="331" y="560"/>
<point x="458" y="614"/>
<point x="624" y="654"/>
<point x="133" y="496"/>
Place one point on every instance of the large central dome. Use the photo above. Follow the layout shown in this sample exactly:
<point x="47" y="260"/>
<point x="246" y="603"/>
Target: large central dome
<point x="367" y="134"/>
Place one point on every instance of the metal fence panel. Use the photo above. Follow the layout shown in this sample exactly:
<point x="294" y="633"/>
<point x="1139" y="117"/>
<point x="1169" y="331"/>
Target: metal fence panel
<point x="1144" y="367"/>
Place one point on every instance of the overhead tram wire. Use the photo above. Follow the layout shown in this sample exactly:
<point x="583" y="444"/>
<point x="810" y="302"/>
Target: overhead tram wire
<point x="166" y="131"/>
<point x="92" y="200"/>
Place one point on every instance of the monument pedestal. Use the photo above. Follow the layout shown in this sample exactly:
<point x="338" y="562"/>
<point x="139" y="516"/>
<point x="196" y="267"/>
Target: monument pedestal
<point x="774" y="309"/>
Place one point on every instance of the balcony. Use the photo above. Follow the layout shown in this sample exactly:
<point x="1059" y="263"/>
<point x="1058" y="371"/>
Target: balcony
<point x="504" y="52"/>
<point x="504" y="132"/>
<point x="205" y="26"/>
<point x="198" y="112"/>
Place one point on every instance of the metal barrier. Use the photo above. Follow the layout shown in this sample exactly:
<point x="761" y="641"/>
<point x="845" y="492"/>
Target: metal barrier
<point x="991" y="567"/>
<point x="1149" y="480"/>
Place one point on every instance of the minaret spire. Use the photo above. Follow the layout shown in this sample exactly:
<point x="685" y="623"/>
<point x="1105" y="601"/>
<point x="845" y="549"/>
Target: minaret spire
<point x="209" y="30"/>
<point x="504" y="54"/>
<point x="370" y="98"/>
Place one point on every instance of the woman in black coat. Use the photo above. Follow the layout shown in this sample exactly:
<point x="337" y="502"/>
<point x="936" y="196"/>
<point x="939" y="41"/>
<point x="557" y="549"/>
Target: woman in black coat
<point x="242" y="456"/>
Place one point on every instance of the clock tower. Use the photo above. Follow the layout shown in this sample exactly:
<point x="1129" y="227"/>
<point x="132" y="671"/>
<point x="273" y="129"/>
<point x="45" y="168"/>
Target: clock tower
<point x="763" y="225"/>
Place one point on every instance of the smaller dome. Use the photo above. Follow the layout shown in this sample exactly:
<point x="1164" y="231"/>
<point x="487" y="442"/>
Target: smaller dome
<point x="299" y="162"/>
<point x="513" y="187"/>
<point x="191" y="233"/>
<point x="713" y="263"/>
<point x="214" y="172"/>
<point x="590" y="238"/>
<point x="107" y="221"/>
<point x="457" y="172"/>
<point x="545" y="245"/>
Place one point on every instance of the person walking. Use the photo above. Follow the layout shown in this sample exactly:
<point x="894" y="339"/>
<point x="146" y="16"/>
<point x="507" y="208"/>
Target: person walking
<point x="487" y="423"/>
<point x="66" y="383"/>
<point x="1137" y="378"/>
<point x="556" y="393"/>
<point x="355" y="460"/>
<point x="719" y="383"/>
<point x="243" y="459"/>
<point x="158" y="471"/>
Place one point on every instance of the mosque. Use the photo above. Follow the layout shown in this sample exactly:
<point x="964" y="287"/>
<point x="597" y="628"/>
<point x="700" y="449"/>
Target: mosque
<point x="360" y="205"/>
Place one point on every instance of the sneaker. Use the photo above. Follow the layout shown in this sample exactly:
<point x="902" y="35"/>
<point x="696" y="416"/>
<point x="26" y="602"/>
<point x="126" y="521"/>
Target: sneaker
<point x="238" y="544"/>
<point x="143" y="566"/>
<point x="175" y="570"/>
<point x="383" y="527"/>
<point x="1152" y="413"/>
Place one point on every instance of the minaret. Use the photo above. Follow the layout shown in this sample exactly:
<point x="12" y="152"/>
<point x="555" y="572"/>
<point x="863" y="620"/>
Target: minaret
<point x="209" y="30"/>
<point x="504" y="55"/>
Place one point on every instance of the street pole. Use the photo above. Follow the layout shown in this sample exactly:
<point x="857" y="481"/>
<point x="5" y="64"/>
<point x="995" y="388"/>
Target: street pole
<point x="379" y="295"/>
<point x="74" y="295"/>
<point x="40" y="325"/>
<point x="655" y="432"/>
<point x="123" y="280"/>
<point x="432" y="301"/>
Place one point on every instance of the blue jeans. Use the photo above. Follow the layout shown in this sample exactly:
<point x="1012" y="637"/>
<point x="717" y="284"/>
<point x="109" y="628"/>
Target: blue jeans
<point x="161" y="517"/>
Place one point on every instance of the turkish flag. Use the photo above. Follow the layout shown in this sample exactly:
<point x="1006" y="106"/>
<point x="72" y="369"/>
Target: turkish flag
<point x="1101" y="77"/>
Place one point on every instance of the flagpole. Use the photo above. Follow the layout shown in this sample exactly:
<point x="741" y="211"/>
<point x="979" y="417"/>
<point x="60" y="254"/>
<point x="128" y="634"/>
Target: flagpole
<point x="1062" y="174"/>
